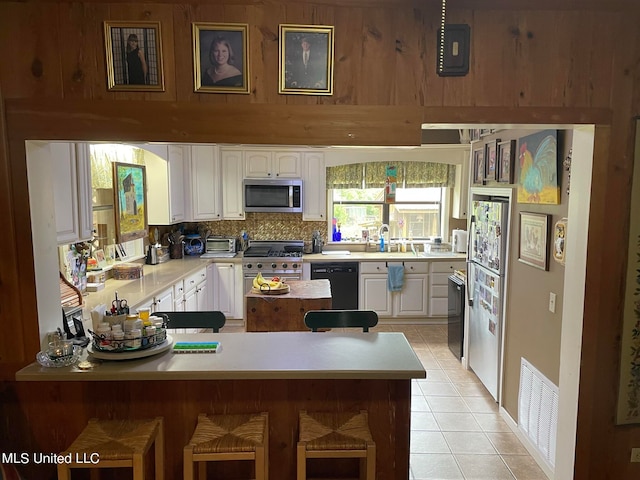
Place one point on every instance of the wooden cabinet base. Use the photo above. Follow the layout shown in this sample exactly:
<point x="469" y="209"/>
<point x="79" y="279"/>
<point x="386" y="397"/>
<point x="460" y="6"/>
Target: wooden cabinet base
<point x="45" y="417"/>
<point x="285" y="313"/>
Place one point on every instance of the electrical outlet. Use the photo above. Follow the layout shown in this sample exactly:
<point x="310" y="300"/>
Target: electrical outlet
<point x="635" y="455"/>
<point x="552" y="302"/>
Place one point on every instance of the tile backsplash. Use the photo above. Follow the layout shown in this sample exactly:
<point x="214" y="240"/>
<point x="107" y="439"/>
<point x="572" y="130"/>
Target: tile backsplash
<point x="259" y="226"/>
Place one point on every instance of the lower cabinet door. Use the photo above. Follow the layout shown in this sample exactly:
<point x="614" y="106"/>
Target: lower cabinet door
<point x="374" y="294"/>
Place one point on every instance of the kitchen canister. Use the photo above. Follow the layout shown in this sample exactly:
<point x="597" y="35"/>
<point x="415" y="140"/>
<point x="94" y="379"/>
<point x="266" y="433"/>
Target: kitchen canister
<point x="193" y="245"/>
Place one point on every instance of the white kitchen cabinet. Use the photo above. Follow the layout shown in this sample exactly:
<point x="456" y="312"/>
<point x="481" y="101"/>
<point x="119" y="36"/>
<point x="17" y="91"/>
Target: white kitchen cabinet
<point x="163" y="302"/>
<point x="460" y="200"/>
<point x="72" y="191"/>
<point x="411" y="301"/>
<point x="227" y="289"/>
<point x="206" y="202"/>
<point x="165" y="185"/>
<point x="232" y="169"/>
<point x="195" y="291"/>
<point x="314" y="190"/>
<point x="439" y="286"/>
<point x="178" y="296"/>
<point x="267" y="163"/>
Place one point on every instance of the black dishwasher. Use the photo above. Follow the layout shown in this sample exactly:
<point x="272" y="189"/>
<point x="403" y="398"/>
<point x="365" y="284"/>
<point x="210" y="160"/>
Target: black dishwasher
<point x="455" y="317"/>
<point x="343" y="277"/>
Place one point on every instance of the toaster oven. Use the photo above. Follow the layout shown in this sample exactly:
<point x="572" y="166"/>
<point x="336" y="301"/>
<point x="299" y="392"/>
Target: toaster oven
<point x="220" y="245"/>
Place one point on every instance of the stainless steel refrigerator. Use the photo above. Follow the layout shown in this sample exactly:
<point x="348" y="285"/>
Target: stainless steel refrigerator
<point x="485" y="278"/>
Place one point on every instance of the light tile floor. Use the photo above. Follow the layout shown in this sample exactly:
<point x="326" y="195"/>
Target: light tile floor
<point x="456" y="430"/>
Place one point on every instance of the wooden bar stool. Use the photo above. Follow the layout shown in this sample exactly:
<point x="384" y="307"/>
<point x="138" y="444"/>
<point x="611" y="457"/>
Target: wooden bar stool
<point x="117" y="443"/>
<point x="228" y="437"/>
<point x="336" y="435"/>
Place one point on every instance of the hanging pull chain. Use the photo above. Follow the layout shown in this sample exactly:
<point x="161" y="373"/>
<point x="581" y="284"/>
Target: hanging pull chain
<point x="442" y="23"/>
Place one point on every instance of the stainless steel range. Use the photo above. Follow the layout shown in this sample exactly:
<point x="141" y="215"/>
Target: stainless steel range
<point x="282" y="258"/>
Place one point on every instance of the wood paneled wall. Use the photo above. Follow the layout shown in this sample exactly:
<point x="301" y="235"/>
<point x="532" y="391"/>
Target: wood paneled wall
<point x="544" y="62"/>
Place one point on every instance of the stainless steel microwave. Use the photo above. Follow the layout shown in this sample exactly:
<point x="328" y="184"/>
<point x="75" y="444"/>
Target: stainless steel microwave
<point x="277" y="195"/>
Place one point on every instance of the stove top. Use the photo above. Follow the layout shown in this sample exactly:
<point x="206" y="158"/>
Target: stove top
<point x="274" y="249"/>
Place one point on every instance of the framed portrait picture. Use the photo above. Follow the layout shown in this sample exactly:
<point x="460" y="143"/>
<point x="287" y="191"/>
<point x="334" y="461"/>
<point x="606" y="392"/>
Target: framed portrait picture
<point x="478" y="166"/>
<point x="534" y="233"/>
<point x="130" y="202"/>
<point x="491" y="161"/>
<point x="221" y="57"/>
<point x="134" y="56"/>
<point x="506" y="159"/>
<point x="306" y="60"/>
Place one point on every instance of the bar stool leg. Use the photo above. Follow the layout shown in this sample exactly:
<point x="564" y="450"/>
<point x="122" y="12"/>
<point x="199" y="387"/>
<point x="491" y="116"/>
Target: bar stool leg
<point x="187" y="469"/>
<point x="64" y="472"/>
<point x="138" y="467"/>
<point x="202" y="470"/>
<point x="371" y="461"/>
<point x="302" y="462"/>
<point x="259" y="464"/>
<point x="159" y="451"/>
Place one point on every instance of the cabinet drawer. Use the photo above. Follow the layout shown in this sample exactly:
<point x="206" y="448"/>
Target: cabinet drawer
<point x="446" y="267"/>
<point x="439" y="291"/>
<point x="440" y="279"/>
<point x="416" y="267"/>
<point x="178" y="290"/>
<point x="373" y="267"/>
<point x="194" y="279"/>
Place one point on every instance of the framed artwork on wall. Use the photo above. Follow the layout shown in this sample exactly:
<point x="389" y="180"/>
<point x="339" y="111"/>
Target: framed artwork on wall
<point x="534" y="233"/>
<point x="134" y="56"/>
<point x="306" y="60"/>
<point x="130" y="202"/>
<point x="559" y="240"/>
<point x="491" y="161"/>
<point x="478" y="166"/>
<point x="221" y="57"/>
<point x="506" y="159"/>
<point x="538" y="168"/>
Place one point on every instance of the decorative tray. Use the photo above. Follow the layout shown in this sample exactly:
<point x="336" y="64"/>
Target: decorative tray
<point x="266" y="290"/>
<point x="46" y="361"/>
<point x="131" y="354"/>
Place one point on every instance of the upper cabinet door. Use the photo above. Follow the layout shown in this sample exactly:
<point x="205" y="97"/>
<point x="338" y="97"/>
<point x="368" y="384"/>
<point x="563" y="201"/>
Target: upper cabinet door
<point x="72" y="192"/>
<point x="286" y="165"/>
<point x="258" y="164"/>
<point x="314" y="190"/>
<point x="272" y="164"/>
<point x="176" y="183"/>
<point x="232" y="167"/>
<point x="165" y="185"/>
<point x="205" y="183"/>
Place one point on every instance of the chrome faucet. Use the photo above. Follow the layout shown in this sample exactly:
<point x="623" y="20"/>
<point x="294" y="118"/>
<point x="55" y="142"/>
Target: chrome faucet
<point x="382" y="227"/>
<point x="388" y="238"/>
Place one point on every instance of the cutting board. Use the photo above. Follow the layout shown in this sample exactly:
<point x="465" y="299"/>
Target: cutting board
<point x="274" y="291"/>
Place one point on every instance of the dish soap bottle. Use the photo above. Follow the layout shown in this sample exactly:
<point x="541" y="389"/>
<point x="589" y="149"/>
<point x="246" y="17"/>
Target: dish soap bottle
<point x="381" y="243"/>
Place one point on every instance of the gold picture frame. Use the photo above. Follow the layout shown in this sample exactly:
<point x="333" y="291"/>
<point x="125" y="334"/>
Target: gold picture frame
<point x="130" y="201"/>
<point x="309" y="73"/>
<point x="129" y="68"/>
<point x="221" y="57"/>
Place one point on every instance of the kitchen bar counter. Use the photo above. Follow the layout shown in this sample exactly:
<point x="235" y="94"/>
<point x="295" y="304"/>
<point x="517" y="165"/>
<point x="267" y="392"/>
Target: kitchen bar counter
<point x="273" y="355"/>
<point x="280" y="373"/>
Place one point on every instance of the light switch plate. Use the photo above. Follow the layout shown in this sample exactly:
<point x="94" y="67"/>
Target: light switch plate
<point x="552" y="302"/>
<point x="635" y="455"/>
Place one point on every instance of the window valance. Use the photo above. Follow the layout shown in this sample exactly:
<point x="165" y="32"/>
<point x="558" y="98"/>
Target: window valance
<point x="373" y="175"/>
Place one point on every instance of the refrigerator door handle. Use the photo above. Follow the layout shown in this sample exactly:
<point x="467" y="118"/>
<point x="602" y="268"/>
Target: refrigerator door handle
<point x="467" y="288"/>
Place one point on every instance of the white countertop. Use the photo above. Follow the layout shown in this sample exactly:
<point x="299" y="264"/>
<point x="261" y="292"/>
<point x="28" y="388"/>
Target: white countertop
<point x="328" y="256"/>
<point x="272" y="355"/>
